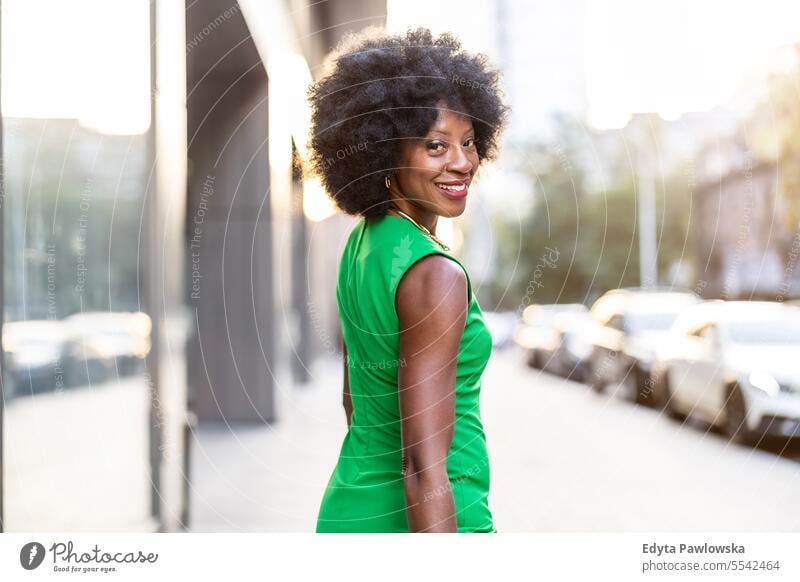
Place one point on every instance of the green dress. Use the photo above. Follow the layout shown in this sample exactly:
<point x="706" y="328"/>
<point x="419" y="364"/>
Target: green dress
<point x="365" y="492"/>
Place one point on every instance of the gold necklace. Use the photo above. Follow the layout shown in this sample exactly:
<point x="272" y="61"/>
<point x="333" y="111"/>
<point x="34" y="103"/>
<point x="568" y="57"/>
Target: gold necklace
<point x="422" y="228"/>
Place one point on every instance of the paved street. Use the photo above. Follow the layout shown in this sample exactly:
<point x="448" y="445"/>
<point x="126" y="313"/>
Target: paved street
<point x="567" y="459"/>
<point x="562" y="458"/>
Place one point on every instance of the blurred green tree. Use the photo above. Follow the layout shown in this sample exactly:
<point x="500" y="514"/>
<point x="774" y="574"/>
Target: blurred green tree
<point x="775" y="126"/>
<point x="576" y="242"/>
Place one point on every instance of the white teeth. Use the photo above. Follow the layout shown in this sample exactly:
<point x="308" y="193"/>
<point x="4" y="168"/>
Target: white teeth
<point x="453" y="188"/>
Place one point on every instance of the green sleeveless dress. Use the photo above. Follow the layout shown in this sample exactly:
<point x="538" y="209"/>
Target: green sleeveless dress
<point x="365" y="491"/>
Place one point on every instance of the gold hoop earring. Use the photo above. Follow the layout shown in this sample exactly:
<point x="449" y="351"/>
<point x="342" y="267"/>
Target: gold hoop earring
<point x="386" y="181"/>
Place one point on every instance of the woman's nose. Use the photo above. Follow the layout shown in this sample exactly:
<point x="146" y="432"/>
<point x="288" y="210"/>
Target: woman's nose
<point x="460" y="162"/>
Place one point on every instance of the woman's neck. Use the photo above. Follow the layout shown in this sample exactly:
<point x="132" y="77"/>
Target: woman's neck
<point x="420" y="215"/>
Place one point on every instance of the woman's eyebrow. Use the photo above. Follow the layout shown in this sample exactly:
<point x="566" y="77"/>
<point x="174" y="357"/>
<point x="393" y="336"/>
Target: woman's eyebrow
<point x="444" y="133"/>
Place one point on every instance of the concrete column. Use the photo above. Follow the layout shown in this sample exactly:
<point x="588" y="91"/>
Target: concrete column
<point x="230" y="260"/>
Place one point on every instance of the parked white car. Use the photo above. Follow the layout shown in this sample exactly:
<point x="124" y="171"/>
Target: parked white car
<point x="734" y="364"/>
<point x="536" y="333"/>
<point x="631" y="323"/>
<point x="573" y="347"/>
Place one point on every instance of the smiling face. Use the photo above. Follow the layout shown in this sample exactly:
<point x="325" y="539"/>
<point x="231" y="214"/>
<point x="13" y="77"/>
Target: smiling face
<point x="436" y="170"/>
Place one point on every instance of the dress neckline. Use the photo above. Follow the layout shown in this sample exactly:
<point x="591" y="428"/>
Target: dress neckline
<point x="424" y="234"/>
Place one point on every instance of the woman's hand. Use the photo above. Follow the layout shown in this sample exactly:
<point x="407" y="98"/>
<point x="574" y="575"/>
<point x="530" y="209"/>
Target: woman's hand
<point x="431" y="303"/>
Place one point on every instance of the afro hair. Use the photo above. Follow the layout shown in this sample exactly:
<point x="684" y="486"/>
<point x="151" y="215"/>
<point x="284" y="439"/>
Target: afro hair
<point x="382" y="88"/>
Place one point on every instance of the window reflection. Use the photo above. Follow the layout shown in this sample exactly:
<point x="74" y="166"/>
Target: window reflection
<point x="76" y="446"/>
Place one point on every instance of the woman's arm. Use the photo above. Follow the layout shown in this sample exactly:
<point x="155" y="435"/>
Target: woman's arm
<point x="347" y="401"/>
<point x="431" y="305"/>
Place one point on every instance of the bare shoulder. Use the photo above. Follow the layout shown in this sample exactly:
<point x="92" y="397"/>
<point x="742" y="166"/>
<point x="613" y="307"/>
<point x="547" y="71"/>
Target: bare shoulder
<point x="434" y="285"/>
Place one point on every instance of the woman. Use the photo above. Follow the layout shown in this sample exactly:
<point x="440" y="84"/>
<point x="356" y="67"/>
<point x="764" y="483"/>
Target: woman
<point x="399" y="127"/>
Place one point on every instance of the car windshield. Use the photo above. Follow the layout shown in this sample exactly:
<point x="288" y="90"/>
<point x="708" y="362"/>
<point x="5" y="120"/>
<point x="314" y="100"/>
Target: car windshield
<point x="765" y="331"/>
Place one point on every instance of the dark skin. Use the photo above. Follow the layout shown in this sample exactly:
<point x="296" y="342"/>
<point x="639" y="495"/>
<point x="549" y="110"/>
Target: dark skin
<point x="431" y="303"/>
<point x="446" y="155"/>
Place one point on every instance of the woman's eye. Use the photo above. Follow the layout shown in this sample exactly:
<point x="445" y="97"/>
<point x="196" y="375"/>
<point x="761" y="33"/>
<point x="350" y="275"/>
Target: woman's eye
<point x="470" y="142"/>
<point x="435" y="146"/>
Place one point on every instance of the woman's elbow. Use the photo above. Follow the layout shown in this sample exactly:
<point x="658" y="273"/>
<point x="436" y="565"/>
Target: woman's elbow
<point x="423" y="478"/>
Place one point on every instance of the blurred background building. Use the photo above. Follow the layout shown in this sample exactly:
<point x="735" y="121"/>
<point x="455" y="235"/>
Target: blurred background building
<point x="159" y="258"/>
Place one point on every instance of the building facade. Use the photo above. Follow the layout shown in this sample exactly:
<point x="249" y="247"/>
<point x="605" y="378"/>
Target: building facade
<point x="156" y="279"/>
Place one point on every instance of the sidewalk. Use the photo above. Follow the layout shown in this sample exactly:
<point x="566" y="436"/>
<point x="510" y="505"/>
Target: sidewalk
<point x="270" y="477"/>
<point x="562" y="459"/>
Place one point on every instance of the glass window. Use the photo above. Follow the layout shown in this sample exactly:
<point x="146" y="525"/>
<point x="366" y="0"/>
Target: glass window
<point x="76" y="445"/>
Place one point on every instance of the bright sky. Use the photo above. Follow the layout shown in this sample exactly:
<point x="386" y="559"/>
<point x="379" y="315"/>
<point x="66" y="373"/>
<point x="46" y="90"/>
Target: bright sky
<point x="603" y="59"/>
<point x="85" y="59"/>
<point x="678" y="55"/>
<point x="606" y="59"/>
